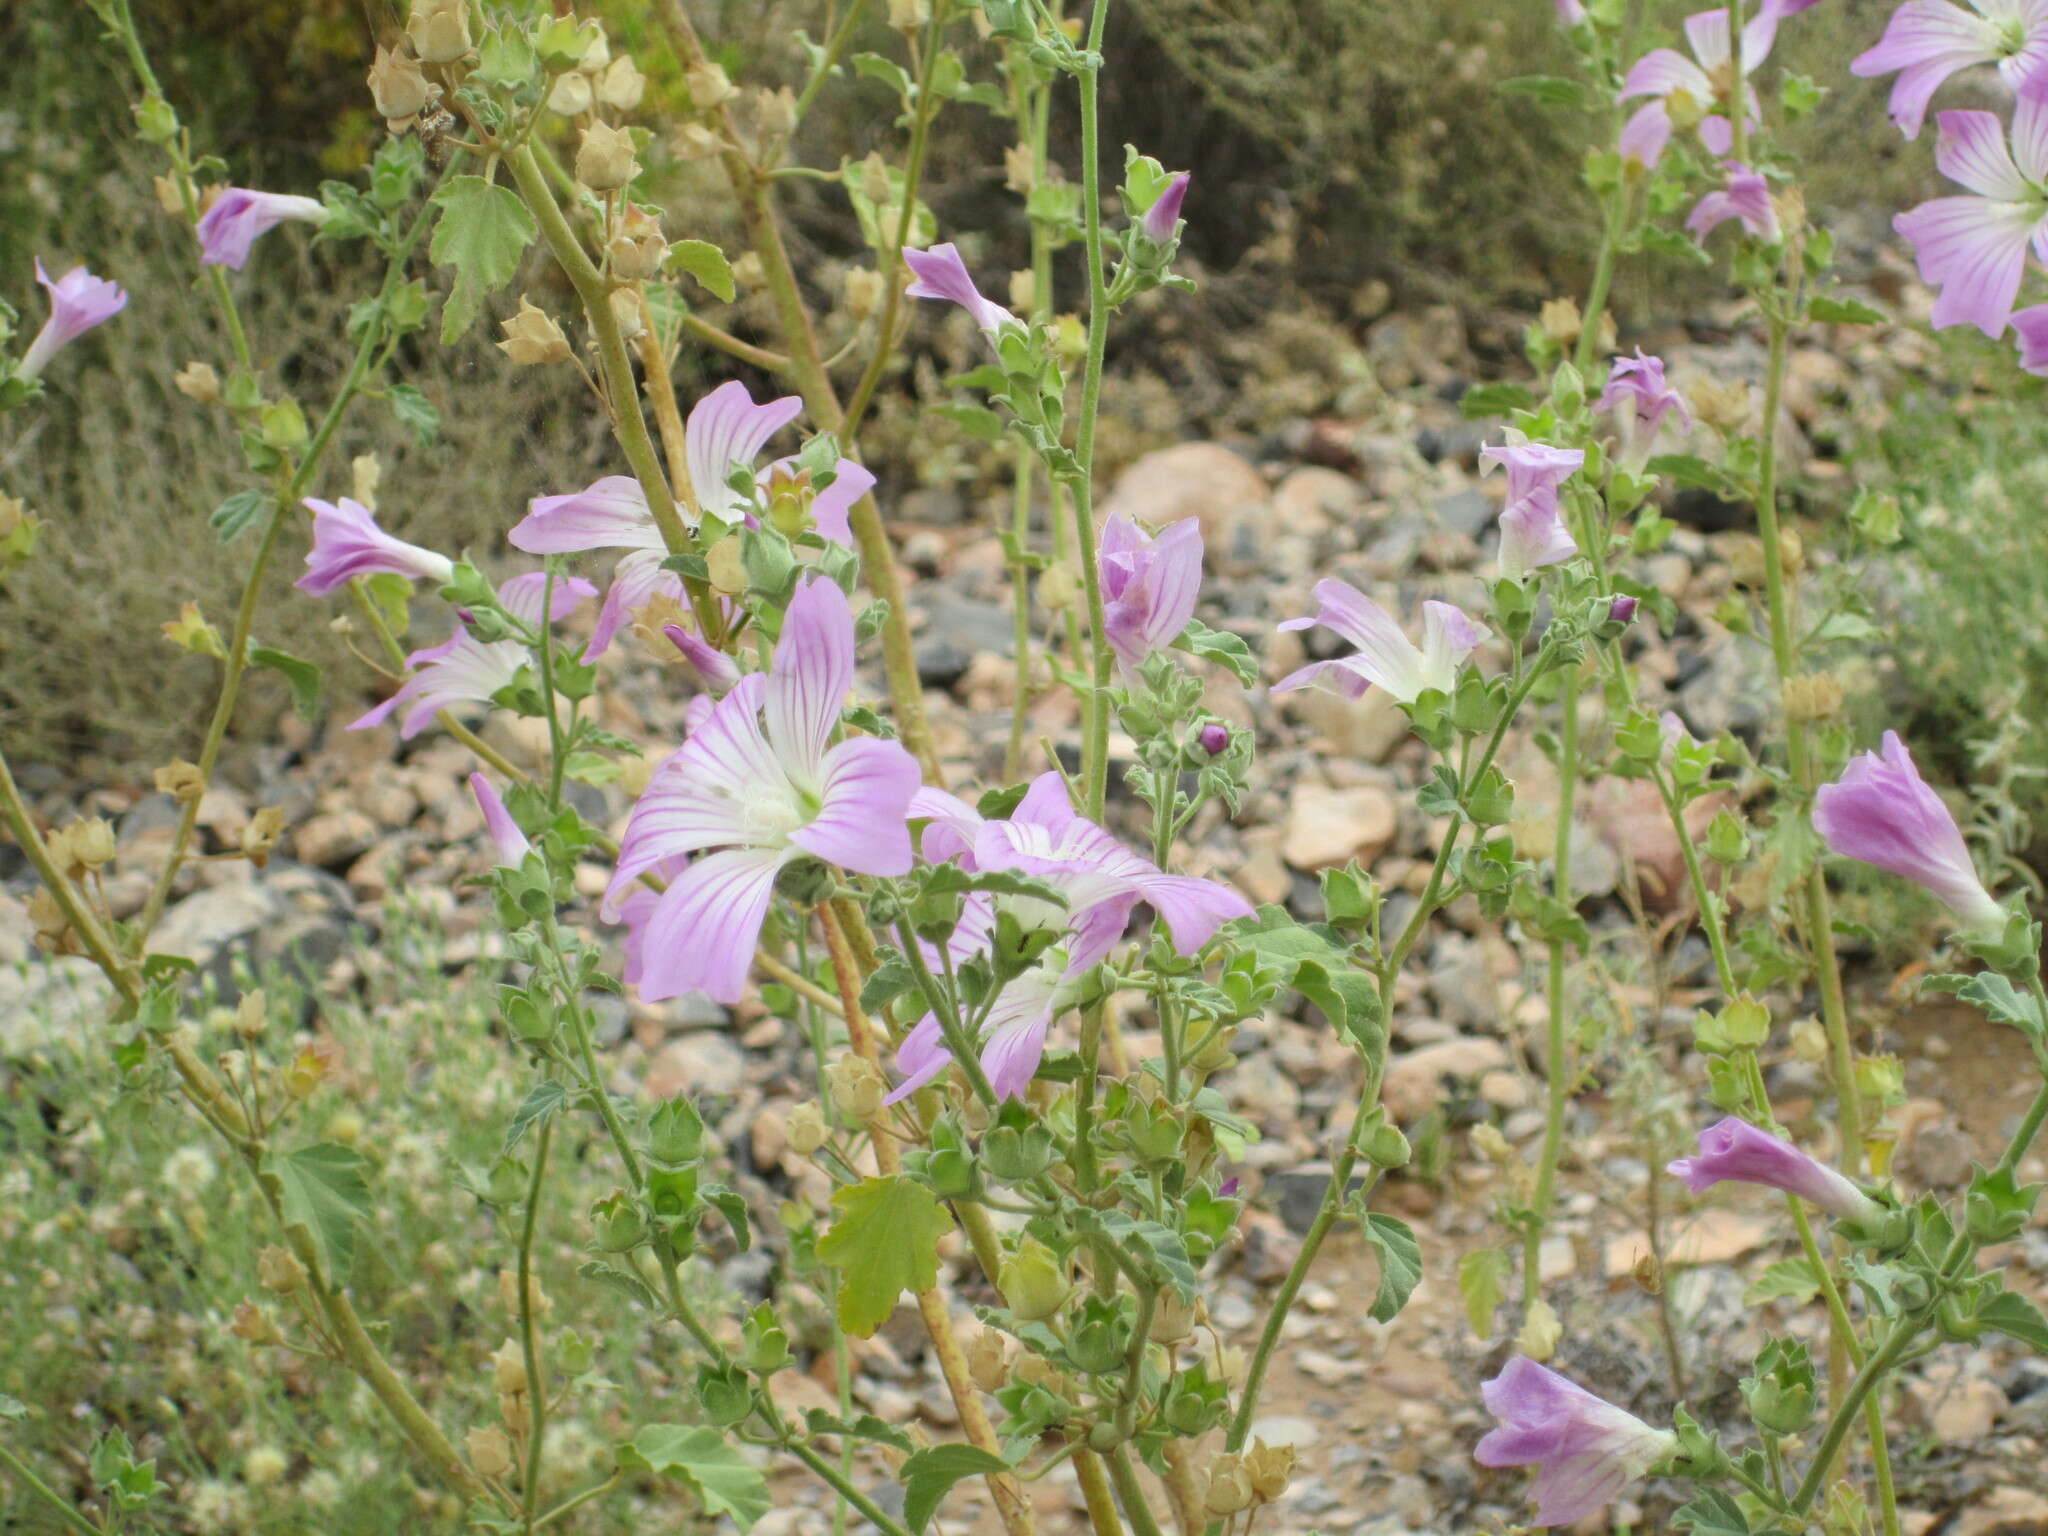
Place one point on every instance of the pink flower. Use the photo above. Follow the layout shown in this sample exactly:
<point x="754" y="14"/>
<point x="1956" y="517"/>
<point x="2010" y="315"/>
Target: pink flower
<point x="1215" y="738"/>
<point x="347" y="543"/>
<point x="1149" y="585"/>
<point x="1385" y="657"/>
<point x="1570" y="12"/>
<point x="1975" y="248"/>
<point x="239" y="216"/>
<point x="1532" y="533"/>
<point x="1745" y="195"/>
<point x="1636" y="385"/>
<point x="1881" y="812"/>
<point x="1585" y="1450"/>
<point x="755" y="787"/>
<point x="78" y="302"/>
<point x="725" y="433"/>
<point x="2031" y="326"/>
<point x="465" y="670"/>
<point x="1697" y="84"/>
<point x="1926" y="41"/>
<point x="1622" y="610"/>
<point x="1161" y="221"/>
<point x="510" y="842"/>
<point x="1735" y="1149"/>
<point x="941" y="274"/>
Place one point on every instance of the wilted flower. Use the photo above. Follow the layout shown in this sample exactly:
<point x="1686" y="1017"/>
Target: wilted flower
<point x="1735" y="1149"/>
<point x="1881" y="812"/>
<point x="605" y="159"/>
<point x="941" y="274"/>
<point x="1744" y="195"/>
<point x="1149" y="586"/>
<point x="239" y="216"/>
<point x="347" y="543"/>
<point x="1162" y="220"/>
<point x="1532" y="533"/>
<point x="1636" y="385"/>
<point x="1926" y="41"/>
<point x="397" y="86"/>
<point x="755" y="787"/>
<point x="510" y="842"/>
<point x="1385" y="657"/>
<point x="1694" y="91"/>
<point x="532" y="337"/>
<point x="439" y="29"/>
<point x="1975" y="248"/>
<point x="465" y="670"/>
<point x="78" y="302"/>
<point x="1585" y="1450"/>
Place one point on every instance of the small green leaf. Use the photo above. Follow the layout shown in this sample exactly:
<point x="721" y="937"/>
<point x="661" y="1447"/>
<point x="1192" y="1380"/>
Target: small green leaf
<point x="1833" y="307"/>
<point x="1688" y="470"/>
<point x="1995" y="997"/>
<point x="706" y="263"/>
<point x="232" y="516"/>
<point x="1400" y="1263"/>
<point x="322" y="1189"/>
<point x="482" y="230"/>
<point x="885" y="1242"/>
<point x="1495" y="400"/>
<point x="872" y="66"/>
<point x="1222" y="646"/>
<point x="629" y="1286"/>
<point x="930" y="1475"/>
<point x="2012" y="1314"/>
<point x="1481" y="1274"/>
<point x="303" y="676"/>
<point x="977" y="421"/>
<point x="1790" y="1280"/>
<point x="1712" y="1513"/>
<point x="415" y="412"/>
<point x="864" y="1427"/>
<point x="535" y="1110"/>
<point x="721" y="1477"/>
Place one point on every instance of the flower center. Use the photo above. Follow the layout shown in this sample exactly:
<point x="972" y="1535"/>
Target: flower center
<point x="771" y="812"/>
<point x="2009" y="37"/>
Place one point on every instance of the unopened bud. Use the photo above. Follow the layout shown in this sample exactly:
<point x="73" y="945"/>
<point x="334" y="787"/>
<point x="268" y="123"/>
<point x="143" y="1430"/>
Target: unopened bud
<point x="92" y="842"/>
<point x="597" y="52"/>
<point x="775" y="112"/>
<point x="279" y="1270"/>
<point x="1033" y="1281"/>
<point x="1540" y="1332"/>
<point x="253" y="1325"/>
<point x="537" y="1300"/>
<point x="181" y="780"/>
<point x="508" y="1369"/>
<point x="439" y="30"/>
<point x="622" y="85"/>
<point x="1269" y="1467"/>
<point x="865" y="289"/>
<point x="639" y="248"/>
<point x="490" y="1452"/>
<point x="604" y="160"/>
<point x="1488" y="1141"/>
<point x="988" y="1360"/>
<point x="1816" y="696"/>
<point x="874" y="178"/>
<point x="397" y="86"/>
<point x="1023" y="290"/>
<point x="1230" y="1488"/>
<point x="1622" y="610"/>
<point x="807" y="1129"/>
<point x="1214" y="738"/>
<point x="693" y="141"/>
<point x="708" y="85"/>
<point x="308" y="1070"/>
<point x="259" y="837"/>
<point x="1020" y="169"/>
<point x="532" y="337"/>
<point x="1561" y="321"/>
<point x="571" y="95"/>
<point x="198" y="381"/>
<point x="1216" y="1052"/>
<point x="1172" y="1318"/>
<point x="628" y="313"/>
<point x="858" y="1087"/>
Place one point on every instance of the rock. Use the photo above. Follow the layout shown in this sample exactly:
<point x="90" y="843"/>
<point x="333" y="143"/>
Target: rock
<point x="43" y="1001"/>
<point x="697" y="1063"/>
<point x="1469" y="511"/>
<point x="956" y="629"/>
<point x="333" y="838"/>
<point x="1938" y="1154"/>
<point x="1298" y="1192"/>
<point x="1712" y="1237"/>
<point x="1462" y="984"/>
<point x="287" y="915"/>
<point x="1367" y="729"/>
<point x="1730" y="691"/>
<point x="1283" y="1429"/>
<point x="1415" y="1079"/>
<point x="1327" y="827"/>
<point x="17" y="933"/>
<point x="1958" y="1407"/>
<point x="1201" y="480"/>
<point x="1313" y="500"/>
<point x="2004" y="1512"/>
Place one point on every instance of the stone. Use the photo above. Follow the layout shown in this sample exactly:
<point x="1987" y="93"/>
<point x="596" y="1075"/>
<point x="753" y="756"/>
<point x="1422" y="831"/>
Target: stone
<point x="1297" y="1192"/>
<point x="1312" y="500"/>
<point x="2005" y="1511"/>
<point x="44" y="1001"/>
<point x="956" y="629"/>
<point x="1939" y="1154"/>
<point x="696" y="1063"/>
<point x="1201" y="480"/>
<point x="1415" y="1079"/>
<point x="1327" y="827"/>
<point x="1712" y="1237"/>
<point x="287" y="915"/>
<point x="333" y="838"/>
<point x="1469" y="511"/>
<point x="1284" y="1429"/>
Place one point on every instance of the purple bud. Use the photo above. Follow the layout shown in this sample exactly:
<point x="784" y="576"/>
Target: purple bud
<point x="467" y="617"/>
<point x="1227" y="1190"/>
<point x="1621" y="610"/>
<point x="1163" y="217"/>
<point x="1215" y="738"/>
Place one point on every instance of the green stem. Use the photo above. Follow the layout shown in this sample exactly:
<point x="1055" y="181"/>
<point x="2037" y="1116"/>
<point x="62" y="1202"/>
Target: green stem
<point x="1903" y="1331"/>
<point x="57" y="1502"/>
<point x="1095" y="752"/>
<point x="529" y="1333"/>
<point x="1559" y="1078"/>
<point x="1137" y="1509"/>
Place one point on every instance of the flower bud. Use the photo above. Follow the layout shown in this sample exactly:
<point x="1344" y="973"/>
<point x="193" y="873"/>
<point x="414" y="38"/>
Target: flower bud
<point x="806" y="1129"/>
<point x="622" y="85"/>
<point x="198" y="381"/>
<point x="693" y="141"/>
<point x="397" y="86"/>
<point x="92" y="842"/>
<point x="532" y="337"/>
<point x="181" y="780"/>
<point x="628" y="313"/>
<point x="1561" y="321"/>
<point x="1269" y="1467"/>
<point x="1172" y="1318"/>
<point x="909" y="13"/>
<point x="1024" y="290"/>
<point x="308" y="1070"/>
<point x="865" y="289"/>
<point x="490" y="1452"/>
<point x="571" y="95"/>
<point x="1622" y="610"/>
<point x="1488" y="1141"/>
<point x="259" y="837"/>
<point x="508" y="1369"/>
<point x="1540" y="1332"/>
<point x="279" y="1270"/>
<point x="253" y="1325"/>
<point x="1216" y="1052"/>
<point x="727" y="566"/>
<point x="156" y="120"/>
<point x="1020" y="169"/>
<point x="708" y="85"/>
<point x="537" y="1300"/>
<point x="1230" y="1488"/>
<point x="597" y="52"/>
<point x="439" y="30"/>
<point x="639" y="248"/>
<point x="1214" y="738"/>
<point x="874" y="178"/>
<point x="1815" y="696"/>
<point x="604" y="160"/>
<point x="775" y="112"/>
<point x="1033" y="1282"/>
<point x="988" y="1360"/>
<point x="858" y="1087"/>
<point x="52" y="927"/>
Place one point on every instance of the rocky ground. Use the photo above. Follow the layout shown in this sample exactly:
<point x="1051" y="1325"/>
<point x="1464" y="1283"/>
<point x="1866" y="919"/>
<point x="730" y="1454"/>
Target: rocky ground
<point x="1384" y="1416"/>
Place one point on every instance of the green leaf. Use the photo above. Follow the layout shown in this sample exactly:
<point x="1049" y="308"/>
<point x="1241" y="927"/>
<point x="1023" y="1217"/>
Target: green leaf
<point x="322" y="1189"/>
<point x="1495" y="400"/>
<point x="1826" y="306"/>
<point x="1688" y="470"/>
<point x="706" y="263"/>
<point x="872" y="66"/>
<point x="629" y="1286"/>
<point x="723" y="1479"/>
<point x="885" y="1242"/>
<point x="1712" y="1513"/>
<point x="415" y="412"/>
<point x="977" y="421"/>
<point x="12" y="1407"/>
<point x="232" y="516"/>
<point x="864" y="1427"/>
<point x="535" y="1110"/>
<point x="303" y="676"/>
<point x="482" y="230"/>
<point x="1790" y="1280"/>
<point x="1995" y="997"/>
<point x="2012" y="1314"/>
<point x="1481" y="1274"/>
<point x="1400" y="1263"/>
<point x="1222" y="646"/>
<point x="930" y="1475"/>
